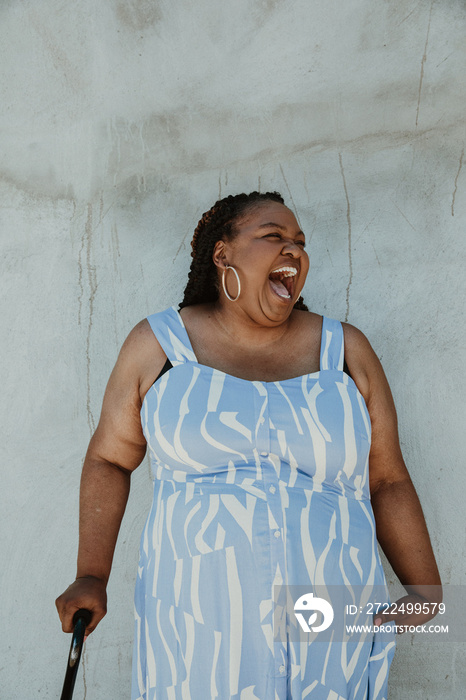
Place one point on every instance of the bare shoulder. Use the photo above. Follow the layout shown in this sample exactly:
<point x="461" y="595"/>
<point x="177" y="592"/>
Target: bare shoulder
<point x="356" y="343"/>
<point x="307" y="320"/>
<point x="118" y="437"/>
<point x="196" y="313"/>
<point x="362" y="361"/>
<point x="141" y="355"/>
<point x="386" y="459"/>
<point x="139" y="341"/>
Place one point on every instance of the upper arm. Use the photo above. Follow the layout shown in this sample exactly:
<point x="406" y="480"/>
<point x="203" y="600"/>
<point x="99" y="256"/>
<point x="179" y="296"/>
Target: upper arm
<point x="386" y="464"/>
<point x="118" y="438"/>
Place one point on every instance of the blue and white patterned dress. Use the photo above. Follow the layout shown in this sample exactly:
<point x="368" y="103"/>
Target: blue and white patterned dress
<point x="256" y="484"/>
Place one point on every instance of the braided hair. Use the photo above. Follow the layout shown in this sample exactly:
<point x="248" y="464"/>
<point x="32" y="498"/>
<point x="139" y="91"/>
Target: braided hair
<point x="219" y="224"/>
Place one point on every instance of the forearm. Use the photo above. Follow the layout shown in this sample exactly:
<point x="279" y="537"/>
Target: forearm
<point x="403" y="535"/>
<point x="103" y="496"/>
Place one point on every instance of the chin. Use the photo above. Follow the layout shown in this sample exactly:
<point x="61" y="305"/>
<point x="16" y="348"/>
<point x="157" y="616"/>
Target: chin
<point x="277" y="312"/>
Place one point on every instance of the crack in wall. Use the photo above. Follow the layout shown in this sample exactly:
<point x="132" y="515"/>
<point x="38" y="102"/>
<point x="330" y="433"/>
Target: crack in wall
<point x="291" y="196"/>
<point x="220" y="182"/>
<point x="405" y="18"/>
<point x="375" y="253"/>
<point x="144" y="151"/>
<point x="92" y="279"/>
<point x="424" y="59"/>
<point x="144" y="286"/>
<point x="456" y="183"/>
<point x="443" y="61"/>
<point x="403" y="215"/>
<point x="80" y="280"/>
<point x="182" y="245"/>
<point x="115" y="245"/>
<point x="348" y="219"/>
<point x="101" y="206"/>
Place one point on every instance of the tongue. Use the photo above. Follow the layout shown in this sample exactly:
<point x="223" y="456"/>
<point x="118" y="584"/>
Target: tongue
<point x="279" y="288"/>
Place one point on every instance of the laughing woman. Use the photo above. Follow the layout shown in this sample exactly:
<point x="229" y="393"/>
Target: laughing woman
<point x="275" y="456"/>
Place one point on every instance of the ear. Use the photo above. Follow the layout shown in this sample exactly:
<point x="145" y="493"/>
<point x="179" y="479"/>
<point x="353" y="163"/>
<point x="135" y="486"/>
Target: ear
<point x="219" y="255"/>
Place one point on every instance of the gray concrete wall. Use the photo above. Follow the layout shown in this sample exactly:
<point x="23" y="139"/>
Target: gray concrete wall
<point x="121" y="122"/>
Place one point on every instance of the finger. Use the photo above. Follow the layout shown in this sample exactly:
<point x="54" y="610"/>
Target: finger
<point x="379" y="619"/>
<point x="97" y="615"/>
<point x="67" y="619"/>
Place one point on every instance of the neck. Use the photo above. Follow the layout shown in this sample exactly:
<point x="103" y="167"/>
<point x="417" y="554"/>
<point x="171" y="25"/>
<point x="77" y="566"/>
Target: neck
<point x="243" y="329"/>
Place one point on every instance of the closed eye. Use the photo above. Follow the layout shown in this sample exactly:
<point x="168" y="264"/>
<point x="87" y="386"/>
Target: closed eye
<point x="278" y="235"/>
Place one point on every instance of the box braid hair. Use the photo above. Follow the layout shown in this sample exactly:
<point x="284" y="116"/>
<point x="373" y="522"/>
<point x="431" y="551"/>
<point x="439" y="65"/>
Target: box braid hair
<point x="219" y="224"/>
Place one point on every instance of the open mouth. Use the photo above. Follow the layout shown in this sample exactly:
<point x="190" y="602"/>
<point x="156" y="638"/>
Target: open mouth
<point x="282" y="281"/>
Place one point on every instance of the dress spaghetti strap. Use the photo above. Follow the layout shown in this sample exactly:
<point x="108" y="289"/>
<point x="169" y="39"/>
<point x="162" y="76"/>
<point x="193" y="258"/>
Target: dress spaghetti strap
<point x="332" y="345"/>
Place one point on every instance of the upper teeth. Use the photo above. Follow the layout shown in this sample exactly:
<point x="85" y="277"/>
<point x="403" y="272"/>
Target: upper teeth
<point x="289" y="271"/>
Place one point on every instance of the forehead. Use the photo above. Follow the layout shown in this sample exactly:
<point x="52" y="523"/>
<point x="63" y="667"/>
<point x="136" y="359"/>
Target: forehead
<point x="264" y="213"/>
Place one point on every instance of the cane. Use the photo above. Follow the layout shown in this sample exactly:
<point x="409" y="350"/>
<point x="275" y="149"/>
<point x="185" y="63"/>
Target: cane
<point x="81" y="619"/>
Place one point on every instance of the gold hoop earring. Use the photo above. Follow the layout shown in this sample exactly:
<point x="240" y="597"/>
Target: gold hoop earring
<point x="229" y="267"/>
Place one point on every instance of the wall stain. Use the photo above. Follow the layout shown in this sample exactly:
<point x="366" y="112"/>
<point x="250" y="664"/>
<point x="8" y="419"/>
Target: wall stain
<point x="456" y="183"/>
<point x="264" y="10"/>
<point x="39" y="190"/>
<point x="139" y="14"/>
<point x="268" y="6"/>
<point x="176" y="158"/>
<point x="350" y="255"/>
<point x="424" y="58"/>
<point x="60" y="60"/>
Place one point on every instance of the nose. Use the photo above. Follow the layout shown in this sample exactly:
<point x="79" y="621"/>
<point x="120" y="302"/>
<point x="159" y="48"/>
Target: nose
<point x="293" y="249"/>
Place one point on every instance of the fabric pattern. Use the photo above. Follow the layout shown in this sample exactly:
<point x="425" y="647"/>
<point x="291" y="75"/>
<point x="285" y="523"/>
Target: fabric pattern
<point x="256" y="484"/>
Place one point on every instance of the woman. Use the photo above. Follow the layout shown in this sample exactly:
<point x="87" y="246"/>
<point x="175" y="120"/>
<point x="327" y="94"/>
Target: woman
<point x="259" y="416"/>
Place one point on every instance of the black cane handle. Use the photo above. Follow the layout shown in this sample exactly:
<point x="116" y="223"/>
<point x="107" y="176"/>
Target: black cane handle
<point x="81" y="619"/>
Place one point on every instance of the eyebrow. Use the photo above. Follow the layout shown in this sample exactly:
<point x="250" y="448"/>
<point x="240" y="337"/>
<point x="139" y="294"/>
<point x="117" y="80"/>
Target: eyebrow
<point x="272" y="224"/>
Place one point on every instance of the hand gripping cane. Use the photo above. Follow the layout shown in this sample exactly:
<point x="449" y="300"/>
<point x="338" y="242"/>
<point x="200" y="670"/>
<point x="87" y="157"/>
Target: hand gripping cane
<point x="81" y="619"/>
